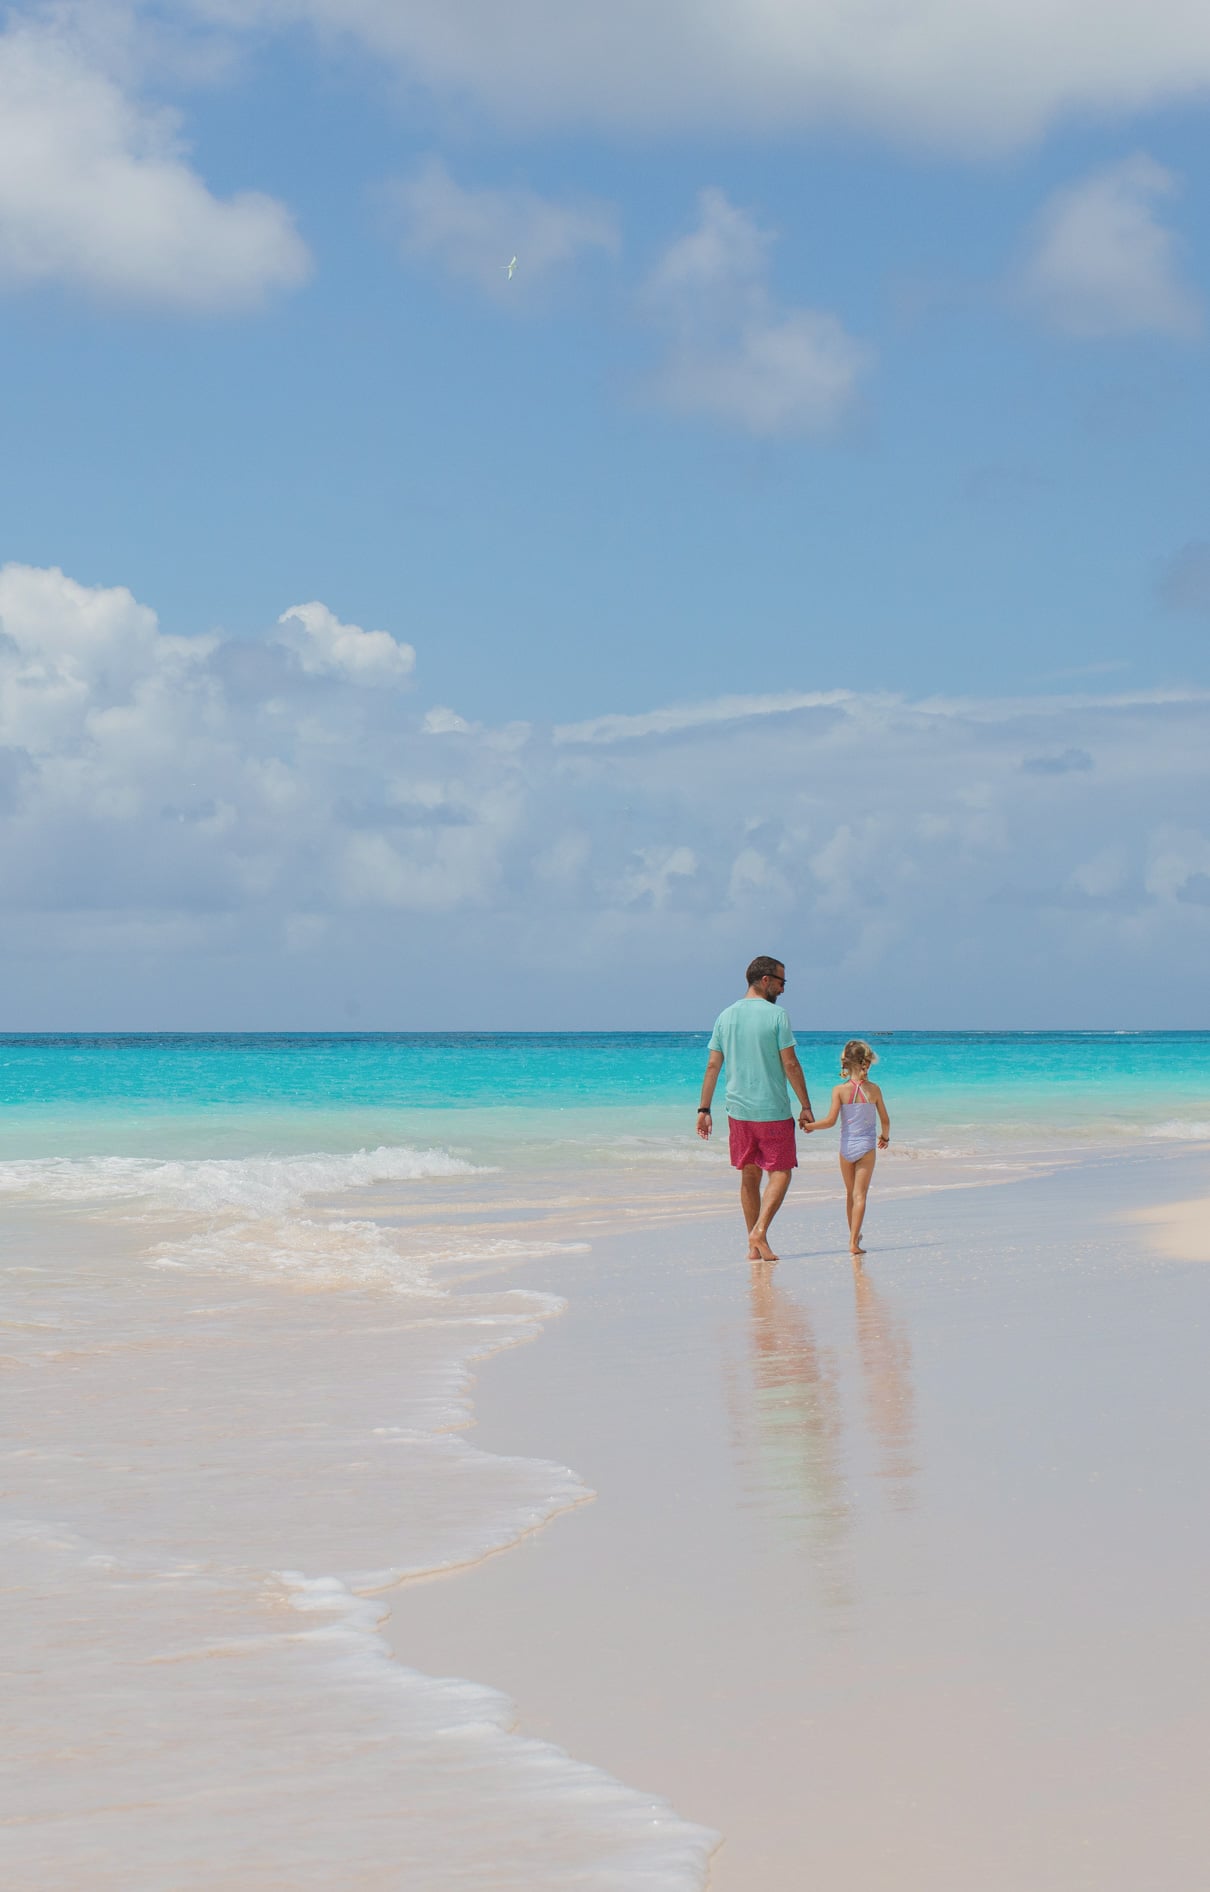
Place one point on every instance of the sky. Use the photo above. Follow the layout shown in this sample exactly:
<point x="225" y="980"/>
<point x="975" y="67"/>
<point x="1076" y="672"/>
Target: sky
<point x="804" y="548"/>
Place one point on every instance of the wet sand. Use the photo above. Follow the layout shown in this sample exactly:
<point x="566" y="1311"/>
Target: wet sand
<point x="897" y="1579"/>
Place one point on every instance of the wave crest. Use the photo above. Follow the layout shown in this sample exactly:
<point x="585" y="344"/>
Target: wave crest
<point x="259" y="1185"/>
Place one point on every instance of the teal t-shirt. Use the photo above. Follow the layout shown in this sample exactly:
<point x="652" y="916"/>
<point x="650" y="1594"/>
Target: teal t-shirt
<point x="752" y="1034"/>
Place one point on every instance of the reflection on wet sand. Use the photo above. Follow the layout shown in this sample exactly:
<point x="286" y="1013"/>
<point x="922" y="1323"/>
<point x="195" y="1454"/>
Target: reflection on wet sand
<point x="791" y="1444"/>
<point x="885" y="1353"/>
<point x="790" y="1421"/>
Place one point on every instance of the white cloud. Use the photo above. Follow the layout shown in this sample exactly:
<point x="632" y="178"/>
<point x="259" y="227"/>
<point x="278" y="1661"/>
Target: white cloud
<point x="71" y="654"/>
<point x="326" y="647"/>
<point x="733" y="353"/>
<point x="754" y="880"/>
<point x="667" y="722"/>
<point x="440" y="721"/>
<point x="1177" y="857"/>
<point x="182" y="808"/>
<point x="943" y="72"/>
<point x="1103" y="264"/>
<point x="96" y="193"/>
<point x="649" y="880"/>
<point x="474" y="233"/>
<point x="1101" y="875"/>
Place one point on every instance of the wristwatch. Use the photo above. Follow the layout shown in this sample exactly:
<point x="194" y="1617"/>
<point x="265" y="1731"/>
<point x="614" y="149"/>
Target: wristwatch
<point x="704" y="1110"/>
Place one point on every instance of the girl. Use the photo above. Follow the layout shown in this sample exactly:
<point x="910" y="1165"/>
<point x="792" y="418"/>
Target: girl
<point x="855" y="1102"/>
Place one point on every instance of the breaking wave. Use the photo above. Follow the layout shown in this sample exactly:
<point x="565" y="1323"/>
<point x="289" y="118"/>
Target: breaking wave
<point x="255" y="1185"/>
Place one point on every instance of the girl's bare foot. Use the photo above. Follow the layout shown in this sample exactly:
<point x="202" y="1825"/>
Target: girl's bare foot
<point x="855" y="1248"/>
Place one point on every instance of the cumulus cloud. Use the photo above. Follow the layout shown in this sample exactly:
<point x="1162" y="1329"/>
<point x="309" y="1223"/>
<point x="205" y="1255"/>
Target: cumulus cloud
<point x="71" y="655"/>
<point x="734" y="354"/>
<point x="96" y="192"/>
<point x="189" y="811"/>
<point x="1102" y="263"/>
<point x="326" y="647"/>
<point x="939" y="71"/>
<point x="472" y="233"/>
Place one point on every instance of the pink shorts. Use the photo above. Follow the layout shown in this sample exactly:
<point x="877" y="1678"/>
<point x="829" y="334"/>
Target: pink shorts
<point x="767" y="1145"/>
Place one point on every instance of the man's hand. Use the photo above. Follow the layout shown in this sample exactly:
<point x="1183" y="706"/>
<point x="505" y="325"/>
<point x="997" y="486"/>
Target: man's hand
<point x="806" y="1118"/>
<point x="705" y="1124"/>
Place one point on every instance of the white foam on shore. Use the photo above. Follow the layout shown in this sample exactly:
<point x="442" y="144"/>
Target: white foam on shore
<point x="336" y="1253"/>
<point x="261" y="1184"/>
<point x="181" y="1447"/>
<point x="231" y="1734"/>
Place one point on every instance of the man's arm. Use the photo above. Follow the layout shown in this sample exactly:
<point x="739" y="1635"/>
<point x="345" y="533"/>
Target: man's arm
<point x="825" y="1123"/>
<point x="798" y="1084"/>
<point x="714" y="1064"/>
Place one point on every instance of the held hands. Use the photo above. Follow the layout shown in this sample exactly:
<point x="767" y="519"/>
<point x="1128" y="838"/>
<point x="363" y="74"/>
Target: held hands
<point x="806" y="1121"/>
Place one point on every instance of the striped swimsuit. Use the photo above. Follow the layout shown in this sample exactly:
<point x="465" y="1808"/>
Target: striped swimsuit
<point x="858" y="1125"/>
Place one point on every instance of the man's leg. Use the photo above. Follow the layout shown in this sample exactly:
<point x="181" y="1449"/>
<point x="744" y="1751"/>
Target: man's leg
<point x="774" y="1196"/>
<point x="749" y="1193"/>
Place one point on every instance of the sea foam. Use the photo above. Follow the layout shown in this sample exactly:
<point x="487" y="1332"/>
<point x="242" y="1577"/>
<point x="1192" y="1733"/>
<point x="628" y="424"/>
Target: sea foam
<point x="260" y="1184"/>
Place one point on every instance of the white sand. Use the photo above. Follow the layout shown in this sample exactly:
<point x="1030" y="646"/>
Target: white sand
<point x="898" y="1581"/>
<point x="1180" y="1231"/>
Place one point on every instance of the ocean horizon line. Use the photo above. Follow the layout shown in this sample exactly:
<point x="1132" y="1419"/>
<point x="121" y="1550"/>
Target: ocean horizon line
<point x="326" y="1034"/>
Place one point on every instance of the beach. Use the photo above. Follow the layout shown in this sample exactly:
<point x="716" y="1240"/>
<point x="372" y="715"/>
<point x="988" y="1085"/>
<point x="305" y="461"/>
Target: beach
<point x="467" y="1510"/>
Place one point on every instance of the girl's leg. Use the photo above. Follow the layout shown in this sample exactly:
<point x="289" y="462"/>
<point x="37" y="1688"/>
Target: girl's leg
<point x="863" y="1170"/>
<point x="849" y="1173"/>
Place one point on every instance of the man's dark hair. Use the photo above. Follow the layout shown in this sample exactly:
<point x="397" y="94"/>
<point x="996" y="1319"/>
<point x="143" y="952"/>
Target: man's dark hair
<point x="764" y="968"/>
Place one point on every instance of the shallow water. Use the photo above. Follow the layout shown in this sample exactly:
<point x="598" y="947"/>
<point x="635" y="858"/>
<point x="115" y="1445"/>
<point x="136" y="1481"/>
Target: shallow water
<point x="568" y="1097"/>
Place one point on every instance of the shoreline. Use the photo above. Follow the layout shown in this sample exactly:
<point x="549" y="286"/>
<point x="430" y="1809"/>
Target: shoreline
<point x="760" y="1445"/>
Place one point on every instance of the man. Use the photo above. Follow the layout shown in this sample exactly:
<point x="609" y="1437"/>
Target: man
<point x="753" y="1039"/>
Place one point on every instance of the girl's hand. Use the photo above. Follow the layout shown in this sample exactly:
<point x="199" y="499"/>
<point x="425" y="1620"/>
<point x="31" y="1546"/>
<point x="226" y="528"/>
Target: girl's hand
<point x="883" y="1142"/>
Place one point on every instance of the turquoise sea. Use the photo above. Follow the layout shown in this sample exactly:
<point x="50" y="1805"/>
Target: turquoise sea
<point x="523" y="1098"/>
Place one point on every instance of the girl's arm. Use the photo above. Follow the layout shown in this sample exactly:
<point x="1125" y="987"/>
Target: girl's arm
<point x="825" y="1123"/>
<point x="883" y="1119"/>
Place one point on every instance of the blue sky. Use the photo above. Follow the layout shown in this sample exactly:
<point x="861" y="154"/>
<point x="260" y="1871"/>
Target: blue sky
<point x="841" y="355"/>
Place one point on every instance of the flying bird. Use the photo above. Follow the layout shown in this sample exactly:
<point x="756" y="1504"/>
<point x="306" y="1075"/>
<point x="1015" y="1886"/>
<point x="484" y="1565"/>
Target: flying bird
<point x="508" y="268"/>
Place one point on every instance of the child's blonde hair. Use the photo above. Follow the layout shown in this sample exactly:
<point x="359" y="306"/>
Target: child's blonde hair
<point x="858" y="1055"/>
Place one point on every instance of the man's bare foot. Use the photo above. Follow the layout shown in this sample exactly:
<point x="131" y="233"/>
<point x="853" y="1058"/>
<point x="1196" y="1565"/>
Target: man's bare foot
<point x="758" y="1247"/>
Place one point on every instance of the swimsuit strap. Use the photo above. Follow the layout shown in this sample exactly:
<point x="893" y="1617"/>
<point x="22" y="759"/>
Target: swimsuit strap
<point x="855" y="1098"/>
